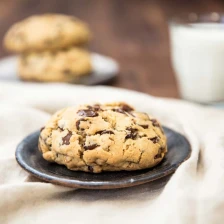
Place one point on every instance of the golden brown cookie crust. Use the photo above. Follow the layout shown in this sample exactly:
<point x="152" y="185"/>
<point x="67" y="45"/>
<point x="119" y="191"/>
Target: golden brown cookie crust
<point x="47" y="66"/>
<point x="109" y="137"/>
<point x="46" y="32"/>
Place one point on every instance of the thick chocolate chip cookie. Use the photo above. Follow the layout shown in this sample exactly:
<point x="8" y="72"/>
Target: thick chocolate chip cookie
<point x="46" y="32"/>
<point x="47" y="66"/>
<point x="96" y="138"/>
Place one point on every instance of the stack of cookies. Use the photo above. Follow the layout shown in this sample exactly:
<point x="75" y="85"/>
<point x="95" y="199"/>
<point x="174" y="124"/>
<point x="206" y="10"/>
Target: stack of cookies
<point x="51" y="48"/>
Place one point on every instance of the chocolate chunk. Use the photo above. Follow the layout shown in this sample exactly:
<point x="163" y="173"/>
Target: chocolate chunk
<point x="159" y="155"/>
<point x="154" y="139"/>
<point x="90" y="169"/>
<point x="131" y="113"/>
<point x="95" y="107"/>
<point x="145" y="126"/>
<point x="155" y="123"/>
<point x="126" y="108"/>
<point x="78" y="122"/>
<point x="66" y="139"/>
<point x="87" y="113"/>
<point x="131" y="129"/>
<point x="133" y="133"/>
<point x="90" y="147"/>
<point x="105" y="132"/>
<point x="119" y="110"/>
<point x="42" y="129"/>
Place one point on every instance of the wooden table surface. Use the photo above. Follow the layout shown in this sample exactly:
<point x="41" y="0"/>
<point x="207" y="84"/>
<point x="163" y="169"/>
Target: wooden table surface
<point x="134" y="32"/>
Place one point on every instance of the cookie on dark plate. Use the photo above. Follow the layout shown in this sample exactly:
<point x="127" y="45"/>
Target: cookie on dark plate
<point x="108" y="137"/>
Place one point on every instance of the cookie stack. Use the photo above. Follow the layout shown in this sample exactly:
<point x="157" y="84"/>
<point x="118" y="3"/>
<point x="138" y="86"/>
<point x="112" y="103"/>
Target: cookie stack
<point x="51" y="47"/>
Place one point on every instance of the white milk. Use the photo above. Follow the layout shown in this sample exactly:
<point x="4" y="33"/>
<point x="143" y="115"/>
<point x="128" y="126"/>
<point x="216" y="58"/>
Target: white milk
<point x="198" y="60"/>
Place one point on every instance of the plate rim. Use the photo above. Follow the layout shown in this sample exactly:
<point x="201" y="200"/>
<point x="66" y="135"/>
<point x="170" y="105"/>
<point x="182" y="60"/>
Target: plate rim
<point x="74" y="183"/>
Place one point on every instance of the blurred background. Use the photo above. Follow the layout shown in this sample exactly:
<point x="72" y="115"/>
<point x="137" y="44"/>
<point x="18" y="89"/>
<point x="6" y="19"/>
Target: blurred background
<point x="134" y="32"/>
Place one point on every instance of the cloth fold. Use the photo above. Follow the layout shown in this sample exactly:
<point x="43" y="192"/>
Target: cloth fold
<point x="194" y="194"/>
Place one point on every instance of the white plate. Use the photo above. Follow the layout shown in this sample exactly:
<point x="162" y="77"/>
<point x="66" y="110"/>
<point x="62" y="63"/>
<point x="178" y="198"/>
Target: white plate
<point x="104" y="70"/>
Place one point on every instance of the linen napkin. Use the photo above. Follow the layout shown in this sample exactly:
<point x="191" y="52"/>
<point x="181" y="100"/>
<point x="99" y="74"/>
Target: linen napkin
<point x="194" y="194"/>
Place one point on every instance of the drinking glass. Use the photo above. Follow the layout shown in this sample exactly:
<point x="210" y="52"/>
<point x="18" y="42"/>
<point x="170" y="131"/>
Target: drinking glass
<point x="197" y="54"/>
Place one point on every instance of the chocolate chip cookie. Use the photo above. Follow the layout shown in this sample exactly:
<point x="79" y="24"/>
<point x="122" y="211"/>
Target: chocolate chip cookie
<point x="108" y="137"/>
<point x="47" y="66"/>
<point x="46" y="32"/>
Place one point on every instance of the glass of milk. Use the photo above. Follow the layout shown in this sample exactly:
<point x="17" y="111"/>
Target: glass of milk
<point x="197" y="53"/>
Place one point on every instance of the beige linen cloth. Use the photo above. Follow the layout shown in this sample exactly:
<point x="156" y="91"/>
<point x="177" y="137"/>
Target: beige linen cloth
<point x="194" y="194"/>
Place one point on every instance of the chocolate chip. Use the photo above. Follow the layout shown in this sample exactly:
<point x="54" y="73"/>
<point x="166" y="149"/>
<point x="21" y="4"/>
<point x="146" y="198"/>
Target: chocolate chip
<point x="42" y="129"/>
<point x="132" y="134"/>
<point x="61" y="129"/>
<point x="145" y="126"/>
<point x="90" y="147"/>
<point x="90" y="169"/>
<point x="105" y="132"/>
<point x="66" y="139"/>
<point x="87" y="113"/>
<point x="131" y="113"/>
<point x="95" y="107"/>
<point x="159" y="155"/>
<point x="119" y="110"/>
<point x="131" y="129"/>
<point x="78" y="122"/>
<point x="154" y="139"/>
<point x="126" y="108"/>
<point x="155" y="123"/>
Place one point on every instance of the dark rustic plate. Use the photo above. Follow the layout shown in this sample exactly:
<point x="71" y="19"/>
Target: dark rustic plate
<point x="105" y="70"/>
<point x="30" y="159"/>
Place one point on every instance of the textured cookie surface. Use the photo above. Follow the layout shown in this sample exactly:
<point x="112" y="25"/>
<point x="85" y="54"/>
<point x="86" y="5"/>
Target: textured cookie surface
<point x="46" y="32"/>
<point x="96" y="138"/>
<point x="47" y="66"/>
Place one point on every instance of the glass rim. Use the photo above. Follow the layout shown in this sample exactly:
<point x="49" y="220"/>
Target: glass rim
<point x="185" y="19"/>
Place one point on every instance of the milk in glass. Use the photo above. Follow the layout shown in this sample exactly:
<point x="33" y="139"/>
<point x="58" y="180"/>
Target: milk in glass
<point x="198" y="59"/>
